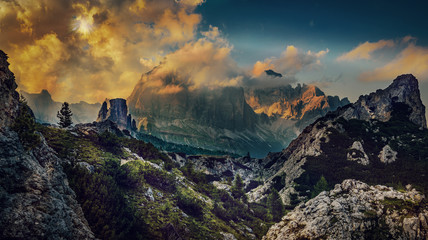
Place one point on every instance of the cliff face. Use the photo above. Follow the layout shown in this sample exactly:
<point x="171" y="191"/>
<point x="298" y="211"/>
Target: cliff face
<point x="304" y="103"/>
<point x="220" y="108"/>
<point x="226" y="118"/>
<point x="35" y="199"/>
<point x="355" y="210"/>
<point x="116" y="111"/>
<point x="9" y="98"/>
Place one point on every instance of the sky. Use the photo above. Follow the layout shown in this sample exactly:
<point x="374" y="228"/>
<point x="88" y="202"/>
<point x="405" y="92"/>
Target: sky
<point x="92" y="50"/>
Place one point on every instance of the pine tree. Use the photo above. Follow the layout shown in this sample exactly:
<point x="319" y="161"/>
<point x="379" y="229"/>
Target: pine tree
<point x="275" y="205"/>
<point x="320" y="186"/>
<point x="238" y="189"/>
<point x="64" y="115"/>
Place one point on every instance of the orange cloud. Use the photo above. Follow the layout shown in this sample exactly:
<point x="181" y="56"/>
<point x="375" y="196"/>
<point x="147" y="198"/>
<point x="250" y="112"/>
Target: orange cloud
<point x="364" y="50"/>
<point x="260" y="67"/>
<point x="291" y="61"/>
<point x="203" y="63"/>
<point x="73" y="47"/>
<point x="170" y="89"/>
<point x="412" y="59"/>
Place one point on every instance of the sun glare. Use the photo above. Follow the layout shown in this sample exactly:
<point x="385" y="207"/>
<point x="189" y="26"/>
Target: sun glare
<point x="82" y="25"/>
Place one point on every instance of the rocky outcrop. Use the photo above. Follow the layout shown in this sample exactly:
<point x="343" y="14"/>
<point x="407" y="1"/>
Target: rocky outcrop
<point x="379" y="105"/>
<point x="355" y="210"/>
<point x="358" y="154"/>
<point x="45" y="109"/>
<point x="36" y="201"/>
<point x="116" y="110"/>
<point x="387" y="155"/>
<point x="9" y="98"/>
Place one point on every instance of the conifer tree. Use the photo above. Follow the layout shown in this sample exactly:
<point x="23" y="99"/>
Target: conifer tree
<point x="275" y="206"/>
<point x="64" y="115"/>
<point x="320" y="186"/>
<point x="238" y="191"/>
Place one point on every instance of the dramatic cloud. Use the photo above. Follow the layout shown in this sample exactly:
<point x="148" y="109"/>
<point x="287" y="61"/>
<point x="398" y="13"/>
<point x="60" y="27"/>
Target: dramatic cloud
<point x="90" y="50"/>
<point x="364" y="50"/>
<point x="413" y="59"/>
<point x="291" y="61"/>
<point x="203" y="63"/>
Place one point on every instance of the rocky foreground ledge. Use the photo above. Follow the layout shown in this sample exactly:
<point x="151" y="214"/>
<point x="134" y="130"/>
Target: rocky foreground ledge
<point x="355" y="210"/>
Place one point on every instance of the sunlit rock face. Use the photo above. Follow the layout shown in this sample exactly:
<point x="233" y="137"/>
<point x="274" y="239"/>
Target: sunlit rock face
<point x="303" y="103"/>
<point x="355" y="210"/>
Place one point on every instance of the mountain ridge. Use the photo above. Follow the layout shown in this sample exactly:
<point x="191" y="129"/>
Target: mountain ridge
<point x="348" y="142"/>
<point x="45" y="108"/>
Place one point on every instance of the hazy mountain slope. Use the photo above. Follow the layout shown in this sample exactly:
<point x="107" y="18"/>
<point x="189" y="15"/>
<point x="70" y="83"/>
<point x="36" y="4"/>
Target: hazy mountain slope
<point x="220" y="119"/>
<point x="45" y="109"/>
<point x="388" y="148"/>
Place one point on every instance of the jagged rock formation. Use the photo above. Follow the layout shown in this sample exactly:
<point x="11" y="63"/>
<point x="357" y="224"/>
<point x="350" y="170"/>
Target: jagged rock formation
<point x="350" y="133"/>
<point x="35" y="199"/>
<point x="355" y="210"/>
<point x="9" y="98"/>
<point x="304" y="103"/>
<point x="45" y="108"/>
<point x="379" y="105"/>
<point x="116" y="111"/>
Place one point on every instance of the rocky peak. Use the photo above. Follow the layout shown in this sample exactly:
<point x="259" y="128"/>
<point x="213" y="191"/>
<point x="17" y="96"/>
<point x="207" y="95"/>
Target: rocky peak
<point x="9" y="98"/>
<point x="380" y="104"/>
<point x="116" y="111"/>
<point x="355" y="210"/>
<point x="304" y="102"/>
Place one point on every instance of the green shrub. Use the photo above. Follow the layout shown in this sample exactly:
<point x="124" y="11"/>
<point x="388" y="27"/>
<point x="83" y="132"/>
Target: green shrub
<point x="25" y="126"/>
<point x="191" y="205"/>
<point x="110" y="142"/>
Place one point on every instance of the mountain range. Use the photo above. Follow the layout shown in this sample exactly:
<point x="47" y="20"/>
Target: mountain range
<point x="234" y="119"/>
<point x="45" y="108"/>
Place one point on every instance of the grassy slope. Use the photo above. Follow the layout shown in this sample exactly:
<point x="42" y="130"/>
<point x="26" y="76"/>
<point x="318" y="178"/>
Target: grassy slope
<point x="138" y="200"/>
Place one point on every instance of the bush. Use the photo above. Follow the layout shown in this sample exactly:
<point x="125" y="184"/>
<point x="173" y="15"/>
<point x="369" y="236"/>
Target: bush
<point x="25" y="126"/>
<point x="110" y="142"/>
<point x="275" y="205"/>
<point x="191" y="205"/>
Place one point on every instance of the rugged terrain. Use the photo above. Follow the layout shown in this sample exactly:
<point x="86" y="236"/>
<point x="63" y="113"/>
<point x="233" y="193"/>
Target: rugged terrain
<point x="357" y="141"/>
<point x="355" y="210"/>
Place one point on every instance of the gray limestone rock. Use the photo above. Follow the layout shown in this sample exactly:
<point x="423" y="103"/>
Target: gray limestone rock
<point x="355" y="210"/>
